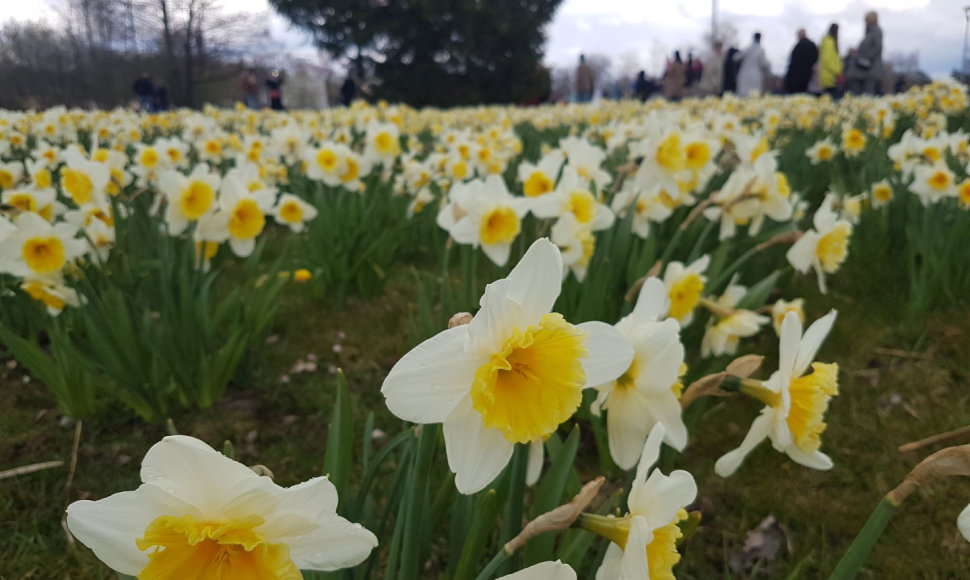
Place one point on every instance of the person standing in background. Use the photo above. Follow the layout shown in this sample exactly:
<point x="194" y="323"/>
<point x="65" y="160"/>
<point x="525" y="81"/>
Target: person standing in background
<point x="868" y="61"/>
<point x="754" y="63"/>
<point x="250" y="88"/>
<point x="729" y="83"/>
<point x="584" y="81"/>
<point x="713" y="74"/>
<point x="348" y="91"/>
<point x="275" y="85"/>
<point x="675" y="78"/>
<point x="830" y="63"/>
<point x="803" y="58"/>
<point x="144" y="89"/>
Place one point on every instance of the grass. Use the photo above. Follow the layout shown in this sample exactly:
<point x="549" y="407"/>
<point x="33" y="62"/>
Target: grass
<point x="277" y="417"/>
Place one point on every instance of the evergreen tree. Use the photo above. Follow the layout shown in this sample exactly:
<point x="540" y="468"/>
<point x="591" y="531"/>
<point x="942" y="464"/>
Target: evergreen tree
<point x="435" y="52"/>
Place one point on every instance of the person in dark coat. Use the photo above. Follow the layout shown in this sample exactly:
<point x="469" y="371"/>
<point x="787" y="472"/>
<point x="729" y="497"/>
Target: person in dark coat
<point x="803" y="58"/>
<point x="643" y="87"/>
<point x="144" y="89"/>
<point x="348" y="91"/>
<point x="730" y="82"/>
<point x="275" y="85"/>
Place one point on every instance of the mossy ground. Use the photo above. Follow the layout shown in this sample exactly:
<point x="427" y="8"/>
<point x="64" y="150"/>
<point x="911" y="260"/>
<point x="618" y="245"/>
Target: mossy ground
<point x="277" y="418"/>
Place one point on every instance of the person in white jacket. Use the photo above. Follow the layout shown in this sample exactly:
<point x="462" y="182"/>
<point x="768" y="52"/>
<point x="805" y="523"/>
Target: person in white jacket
<point x="754" y="63"/>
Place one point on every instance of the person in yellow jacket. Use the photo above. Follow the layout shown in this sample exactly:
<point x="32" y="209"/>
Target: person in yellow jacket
<point x="829" y="62"/>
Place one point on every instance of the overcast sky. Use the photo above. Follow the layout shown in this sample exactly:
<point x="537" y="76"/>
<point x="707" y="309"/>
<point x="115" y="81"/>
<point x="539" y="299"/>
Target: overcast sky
<point x="642" y="32"/>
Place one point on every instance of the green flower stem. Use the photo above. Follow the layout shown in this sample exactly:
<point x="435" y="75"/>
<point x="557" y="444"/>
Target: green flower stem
<point x="481" y="527"/>
<point x="516" y="498"/>
<point x="858" y="551"/>
<point x="415" y="536"/>
<point x="500" y="558"/>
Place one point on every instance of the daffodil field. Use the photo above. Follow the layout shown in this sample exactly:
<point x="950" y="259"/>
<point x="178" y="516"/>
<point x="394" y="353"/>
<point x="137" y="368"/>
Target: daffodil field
<point x="608" y="309"/>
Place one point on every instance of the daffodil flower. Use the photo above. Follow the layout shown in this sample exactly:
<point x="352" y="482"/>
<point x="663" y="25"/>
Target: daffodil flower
<point x="293" y="212"/>
<point x="199" y="514"/>
<point x="510" y="376"/>
<point x="540" y="179"/>
<point x="644" y="541"/>
<point x="189" y="197"/>
<point x="684" y="288"/>
<point x="645" y="395"/>
<point x="240" y="219"/>
<point x="825" y="248"/>
<point x="933" y="183"/>
<point x="492" y="218"/>
<point x="795" y="402"/>
<point x="37" y="248"/>
<point x="576" y="242"/>
<point x="573" y="196"/>
<point x="729" y="324"/>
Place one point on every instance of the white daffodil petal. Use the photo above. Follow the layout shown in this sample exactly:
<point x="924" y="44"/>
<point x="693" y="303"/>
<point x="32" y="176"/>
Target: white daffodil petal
<point x="626" y="429"/>
<point x="497" y="253"/>
<point x="812" y="341"/>
<point x="609" y="353"/>
<point x="544" y="571"/>
<point x="111" y="525"/>
<point x="633" y="564"/>
<point x="963" y="523"/>
<point x="666" y="410"/>
<point x="816" y="460"/>
<point x="476" y="454"/>
<point x="791" y="336"/>
<point x="335" y="544"/>
<point x="426" y="384"/>
<point x="610" y="568"/>
<point x="662" y="496"/>
<point x="651" y="452"/>
<point x="192" y="471"/>
<point x="660" y="354"/>
<point x="535" y="282"/>
<point x="802" y="252"/>
<point x="760" y="428"/>
<point x="314" y="498"/>
<point x="536" y="457"/>
<point x="652" y="302"/>
<point x="242" y="247"/>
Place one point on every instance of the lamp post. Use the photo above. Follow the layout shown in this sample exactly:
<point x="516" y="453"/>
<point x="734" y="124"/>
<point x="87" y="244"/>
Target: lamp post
<point x="714" y="21"/>
<point x="966" y="41"/>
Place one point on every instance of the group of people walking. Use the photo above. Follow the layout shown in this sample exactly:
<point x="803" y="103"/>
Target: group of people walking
<point x="249" y="83"/>
<point x="811" y="69"/>
<point x="822" y="69"/>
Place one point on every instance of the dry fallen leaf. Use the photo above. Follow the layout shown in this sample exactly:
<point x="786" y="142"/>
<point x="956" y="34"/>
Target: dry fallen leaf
<point x="761" y="544"/>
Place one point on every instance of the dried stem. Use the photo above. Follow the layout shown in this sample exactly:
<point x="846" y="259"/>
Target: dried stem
<point x="913" y="446"/>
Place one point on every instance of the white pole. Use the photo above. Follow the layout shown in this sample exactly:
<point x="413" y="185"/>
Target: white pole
<point x="714" y="21"/>
<point x="966" y="41"/>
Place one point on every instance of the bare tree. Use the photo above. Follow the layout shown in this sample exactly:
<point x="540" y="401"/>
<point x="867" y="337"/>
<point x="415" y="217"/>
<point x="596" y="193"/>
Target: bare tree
<point x="94" y="49"/>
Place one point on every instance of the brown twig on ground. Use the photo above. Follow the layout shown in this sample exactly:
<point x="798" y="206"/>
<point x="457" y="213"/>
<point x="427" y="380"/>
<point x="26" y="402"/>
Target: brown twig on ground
<point x="914" y="445"/>
<point x="32" y="468"/>
<point x="73" y="467"/>
<point x="901" y="353"/>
